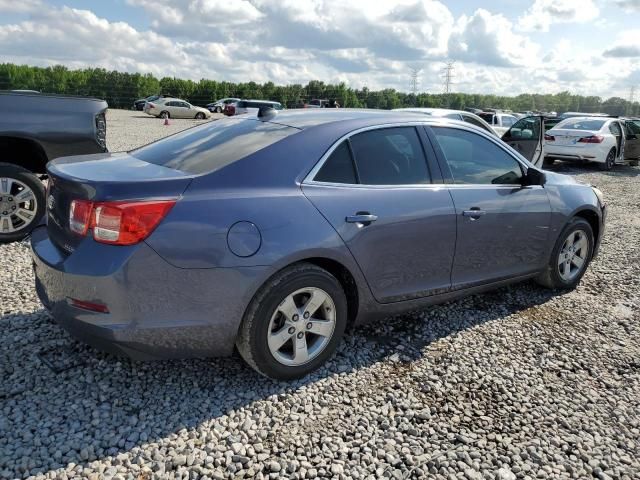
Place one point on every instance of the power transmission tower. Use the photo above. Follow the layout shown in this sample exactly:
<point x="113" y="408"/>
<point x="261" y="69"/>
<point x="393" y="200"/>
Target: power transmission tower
<point x="448" y="76"/>
<point x="415" y="81"/>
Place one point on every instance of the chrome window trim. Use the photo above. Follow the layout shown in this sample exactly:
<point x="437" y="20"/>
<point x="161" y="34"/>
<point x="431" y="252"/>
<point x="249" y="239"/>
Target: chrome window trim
<point x="433" y="121"/>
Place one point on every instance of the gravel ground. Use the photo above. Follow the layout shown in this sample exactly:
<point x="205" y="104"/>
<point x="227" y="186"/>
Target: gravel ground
<point x="518" y="383"/>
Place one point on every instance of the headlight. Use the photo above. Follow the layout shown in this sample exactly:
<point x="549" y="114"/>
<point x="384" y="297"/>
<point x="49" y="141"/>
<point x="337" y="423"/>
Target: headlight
<point x="599" y="194"/>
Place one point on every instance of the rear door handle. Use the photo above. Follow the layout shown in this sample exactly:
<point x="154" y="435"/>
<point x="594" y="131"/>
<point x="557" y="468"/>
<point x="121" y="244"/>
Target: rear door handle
<point x="473" y="213"/>
<point x="364" y="218"/>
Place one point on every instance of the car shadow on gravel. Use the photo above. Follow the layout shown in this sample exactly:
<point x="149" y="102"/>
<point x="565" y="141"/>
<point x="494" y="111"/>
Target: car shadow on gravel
<point x="63" y="402"/>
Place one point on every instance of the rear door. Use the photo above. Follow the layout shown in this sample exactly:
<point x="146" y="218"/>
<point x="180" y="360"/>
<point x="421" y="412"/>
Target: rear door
<point x="377" y="190"/>
<point x="526" y="137"/>
<point x="632" y="137"/>
<point x="502" y="227"/>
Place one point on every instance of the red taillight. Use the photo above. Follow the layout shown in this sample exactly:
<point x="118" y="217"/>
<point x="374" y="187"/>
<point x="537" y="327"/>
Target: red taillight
<point x="122" y="223"/>
<point x="549" y="138"/>
<point x="592" y="139"/>
<point x="80" y="216"/>
<point x="92" y="307"/>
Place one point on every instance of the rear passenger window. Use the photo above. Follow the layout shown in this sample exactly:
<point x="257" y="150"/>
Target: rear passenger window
<point x="338" y="168"/>
<point x="474" y="159"/>
<point x="476" y="122"/>
<point x="390" y="156"/>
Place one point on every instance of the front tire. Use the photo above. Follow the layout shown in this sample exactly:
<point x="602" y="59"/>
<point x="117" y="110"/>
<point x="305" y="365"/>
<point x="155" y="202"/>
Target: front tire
<point x="609" y="161"/>
<point x="21" y="202"/>
<point x="218" y="110"/>
<point x="165" y="114"/>
<point x="294" y="323"/>
<point x="199" y="116"/>
<point x="570" y="257"/>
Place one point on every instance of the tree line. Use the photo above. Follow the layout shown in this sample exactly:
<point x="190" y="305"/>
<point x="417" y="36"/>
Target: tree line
<point x="120" y="89"/>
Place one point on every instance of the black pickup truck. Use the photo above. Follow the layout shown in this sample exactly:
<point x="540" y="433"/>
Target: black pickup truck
<point x="36" y="128"/>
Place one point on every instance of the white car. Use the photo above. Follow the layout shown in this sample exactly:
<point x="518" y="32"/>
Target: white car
<point x="500" y="122"/>
<point x="461" y="115"/>
<point x="175" y="108"/>
<point x="250" y="106"/>
<point x="591" y="139"/>
<point x="218" y="106"/>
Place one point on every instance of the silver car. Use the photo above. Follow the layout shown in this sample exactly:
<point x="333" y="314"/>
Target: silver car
<point x="175" y="108"/>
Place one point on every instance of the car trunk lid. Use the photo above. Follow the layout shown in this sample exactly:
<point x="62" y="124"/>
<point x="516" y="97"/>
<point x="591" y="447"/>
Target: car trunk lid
<point x="103" y="177"/>
<point x="570" y="137"/>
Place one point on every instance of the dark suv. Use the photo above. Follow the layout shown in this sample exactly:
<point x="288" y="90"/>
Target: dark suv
<point x="36" y="128"/>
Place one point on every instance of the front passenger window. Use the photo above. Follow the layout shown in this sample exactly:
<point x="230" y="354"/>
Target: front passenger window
<point x="474" y="159"/>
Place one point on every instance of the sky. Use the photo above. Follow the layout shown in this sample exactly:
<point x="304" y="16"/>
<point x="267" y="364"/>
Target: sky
<point x="508" y="47"/>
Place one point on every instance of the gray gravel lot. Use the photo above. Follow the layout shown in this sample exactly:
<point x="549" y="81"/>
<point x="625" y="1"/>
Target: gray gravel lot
<point x="518" y="383"/>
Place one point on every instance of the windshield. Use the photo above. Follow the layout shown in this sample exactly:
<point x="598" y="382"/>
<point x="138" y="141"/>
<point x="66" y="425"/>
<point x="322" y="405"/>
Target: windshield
<point x="212" y="146"/>
<point x="581" y="124"/>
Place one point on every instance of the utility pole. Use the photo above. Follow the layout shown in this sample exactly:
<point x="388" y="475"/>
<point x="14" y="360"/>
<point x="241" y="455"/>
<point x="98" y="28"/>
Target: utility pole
<point x="448" y="76"/>
<point x="632" y="97"/>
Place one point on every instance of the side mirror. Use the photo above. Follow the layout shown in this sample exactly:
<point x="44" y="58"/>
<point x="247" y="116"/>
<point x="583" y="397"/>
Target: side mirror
<point x="534" y="177"/>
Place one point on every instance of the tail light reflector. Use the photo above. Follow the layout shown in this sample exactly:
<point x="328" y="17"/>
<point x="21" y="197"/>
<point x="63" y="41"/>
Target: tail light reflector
<point x="92" y="307"/>
<point x="549" y="138"/>
<point x="118" y="223"/>
<point x="592" y="139"/>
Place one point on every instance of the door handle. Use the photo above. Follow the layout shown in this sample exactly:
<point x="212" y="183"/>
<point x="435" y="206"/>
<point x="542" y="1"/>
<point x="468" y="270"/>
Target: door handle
<point x="364" y="218"/>
<point x="474" y="213"/>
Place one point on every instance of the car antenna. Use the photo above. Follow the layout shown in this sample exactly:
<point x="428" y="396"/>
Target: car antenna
<point x="266" y="113"/>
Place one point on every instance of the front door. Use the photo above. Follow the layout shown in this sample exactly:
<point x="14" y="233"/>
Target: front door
<point x="375" y="189"/>
<point x="502" y="226"/>
<point x="526" y="137"/>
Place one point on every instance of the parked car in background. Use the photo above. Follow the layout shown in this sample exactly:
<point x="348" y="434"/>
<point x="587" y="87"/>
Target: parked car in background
<point x="564" y="115"/>
<point x="500" y="122"/>
<point x="250" y="106"/>
<point x="299" y="224"/>
<point x="317" y="103"/>
<point x="36" y="128"/>
<point x="139" y="104"/>
<point x="473" y="110"/>
<point x="218" y="106"/>
<point x="525" y="136"/>
<point x="632" y="140"/>
<point x="591" y="139"/>
<point x="462" y="115"/>
<point x="175" y="108"/>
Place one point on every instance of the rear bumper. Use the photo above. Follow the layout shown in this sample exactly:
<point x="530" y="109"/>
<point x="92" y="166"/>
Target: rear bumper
<point x="573" y="153"/>
<point x="155" y="310"/>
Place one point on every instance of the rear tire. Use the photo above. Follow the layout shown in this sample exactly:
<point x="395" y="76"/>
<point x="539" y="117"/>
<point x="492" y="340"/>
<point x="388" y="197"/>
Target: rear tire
<point x="22" y="202"/>
<point x="609" y="161"/>
<point x="165" y="114"/>
<point x="284" y="346"/>
<point x="218" y="110"/>
<point x="574" y="246"/>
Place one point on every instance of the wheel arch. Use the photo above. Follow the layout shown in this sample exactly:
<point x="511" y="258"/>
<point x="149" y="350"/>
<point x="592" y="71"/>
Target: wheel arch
<point x="592" y="218"/>
<point x="23" y="152"/>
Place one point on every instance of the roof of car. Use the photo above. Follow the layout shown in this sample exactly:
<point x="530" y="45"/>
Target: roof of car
<point x="432" y="111"/>
<point x="311" y="117"/>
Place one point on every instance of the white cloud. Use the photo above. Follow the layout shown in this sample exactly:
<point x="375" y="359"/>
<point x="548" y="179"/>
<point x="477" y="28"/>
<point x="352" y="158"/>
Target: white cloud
<point x="628" y="5"/>
<point x="544" y="13"/>
<point x="489" y="39"/>
<point x="626" y="45"/>
<point x="19" y="6"/>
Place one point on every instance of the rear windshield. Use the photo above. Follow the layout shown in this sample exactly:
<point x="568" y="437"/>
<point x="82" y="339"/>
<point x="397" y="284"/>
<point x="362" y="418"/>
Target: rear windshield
<point x="581" y="124"/>
<point x="212" y="146"/>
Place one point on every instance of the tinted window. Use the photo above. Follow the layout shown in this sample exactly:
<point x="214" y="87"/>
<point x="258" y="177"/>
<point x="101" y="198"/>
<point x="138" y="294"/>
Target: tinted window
<point x="214" y="145"/>
<point x="524" y="129"/>
<point x="171" y="104"/>
<point x="508" y="121"/>
<point x="634" y="127"/>
<point x="338" y="168"/>
<point x="390" y="156"/>
<point x="488" y="117"/>
<point x="615" y="129"/>
<point x="474" y="159"/>
<point x="476" y="122"/>
<point x="453" y="116"/>
<point x="581" y="124"/>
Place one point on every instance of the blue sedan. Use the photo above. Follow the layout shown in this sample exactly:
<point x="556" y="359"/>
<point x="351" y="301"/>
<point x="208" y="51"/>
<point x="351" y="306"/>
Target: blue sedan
<point x="272" y="234"/>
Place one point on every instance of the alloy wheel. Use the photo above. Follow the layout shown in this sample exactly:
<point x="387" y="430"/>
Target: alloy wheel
<point x="301" y="326"/>
<point x="572" y="259"/>
<point x="18" y="205"/>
